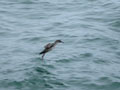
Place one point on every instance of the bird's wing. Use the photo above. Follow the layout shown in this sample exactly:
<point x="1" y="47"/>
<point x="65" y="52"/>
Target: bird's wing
<point x="49" y="45"/>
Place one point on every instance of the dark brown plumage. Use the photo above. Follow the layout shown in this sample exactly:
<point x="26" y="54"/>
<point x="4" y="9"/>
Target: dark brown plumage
<point x="49" y="47"/>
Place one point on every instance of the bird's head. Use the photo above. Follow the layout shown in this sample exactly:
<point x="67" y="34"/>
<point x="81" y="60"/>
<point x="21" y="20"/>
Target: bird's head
<point x="59" y="41"/>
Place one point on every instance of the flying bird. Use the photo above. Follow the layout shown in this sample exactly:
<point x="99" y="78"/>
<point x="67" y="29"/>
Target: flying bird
<point x="49" y="47"/>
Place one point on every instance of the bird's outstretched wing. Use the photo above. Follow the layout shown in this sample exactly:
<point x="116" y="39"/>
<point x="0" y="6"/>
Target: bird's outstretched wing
<point x="49" y="45"/>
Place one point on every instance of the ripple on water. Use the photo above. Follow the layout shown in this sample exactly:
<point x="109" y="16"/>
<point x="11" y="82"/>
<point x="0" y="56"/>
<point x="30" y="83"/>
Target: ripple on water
<point x="30" y="39"/>
<point x="35" y="77"/>
<point x="42" y="70"/>
<point x="102" y="61"/>
<point x="86" y="55"/>
<point x="108" y="86"/>
<point x="88" y="60"/>
<point x="102" y="83"/>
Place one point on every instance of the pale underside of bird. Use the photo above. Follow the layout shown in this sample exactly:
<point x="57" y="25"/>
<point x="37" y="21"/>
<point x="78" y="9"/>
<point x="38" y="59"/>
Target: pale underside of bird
<point x="49" y="47"/>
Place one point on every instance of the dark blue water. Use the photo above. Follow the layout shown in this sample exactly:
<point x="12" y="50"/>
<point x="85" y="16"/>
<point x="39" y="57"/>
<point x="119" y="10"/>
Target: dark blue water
<point x="89" y="59"/>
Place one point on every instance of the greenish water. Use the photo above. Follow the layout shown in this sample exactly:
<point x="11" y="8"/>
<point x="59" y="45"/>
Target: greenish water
<point x="88" y="60"/>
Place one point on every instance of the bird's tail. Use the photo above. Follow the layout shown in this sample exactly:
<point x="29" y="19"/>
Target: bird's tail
<point x="42" y="52"/>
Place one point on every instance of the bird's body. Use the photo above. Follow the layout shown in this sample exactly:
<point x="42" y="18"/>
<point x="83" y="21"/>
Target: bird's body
<point x="49" y="47"/>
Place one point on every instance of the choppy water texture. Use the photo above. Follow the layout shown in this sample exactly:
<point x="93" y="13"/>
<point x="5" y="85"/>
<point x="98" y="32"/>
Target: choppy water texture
<point x="88" y="60"/>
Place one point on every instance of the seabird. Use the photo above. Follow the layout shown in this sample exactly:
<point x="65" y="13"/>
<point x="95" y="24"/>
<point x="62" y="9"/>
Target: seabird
<point x="49" y="47"/>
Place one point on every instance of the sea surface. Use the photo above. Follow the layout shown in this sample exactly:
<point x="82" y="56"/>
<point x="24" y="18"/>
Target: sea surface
<point x="89" y="58"/>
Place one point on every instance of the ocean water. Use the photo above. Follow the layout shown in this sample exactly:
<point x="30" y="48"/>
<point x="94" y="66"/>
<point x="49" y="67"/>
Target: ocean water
<point x="89" y="59"/>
